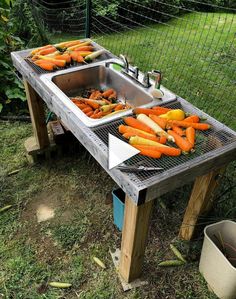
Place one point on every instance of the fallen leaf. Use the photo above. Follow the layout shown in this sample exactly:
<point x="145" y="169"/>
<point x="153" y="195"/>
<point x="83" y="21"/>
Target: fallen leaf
<point x="5" y="208"/>
<point x="99" y="262"/>
<point x="171" y="263"/>
<point x="62" y="285"/>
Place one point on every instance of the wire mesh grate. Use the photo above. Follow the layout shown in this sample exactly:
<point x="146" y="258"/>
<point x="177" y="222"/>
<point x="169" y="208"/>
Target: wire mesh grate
<point x="206" y="141"/>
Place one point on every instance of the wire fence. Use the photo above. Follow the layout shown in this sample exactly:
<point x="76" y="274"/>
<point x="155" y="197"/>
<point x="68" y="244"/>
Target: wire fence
<point x="192" y="42"/>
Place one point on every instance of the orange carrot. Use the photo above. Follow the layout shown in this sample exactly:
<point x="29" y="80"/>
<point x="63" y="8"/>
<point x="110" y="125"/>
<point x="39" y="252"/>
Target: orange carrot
<point x="178" y="130"/>
<point x="84" y="48"/>
<point x="97" y="115"/>
<point x="166" y="150"/>
<point x="33" y="52"/>
<point x="133" y="122"/>
<point x="46" y="51"/>
<point x="91" y="103"/>
<point x="113" y="95"/>
<point x="65" y="57"/>
<point x="160" y="121"/>
<point x="89" y="113"/>
<point x="146" y="151"/>
<point x="81" y="106"/>
<point x="162" y="139"/>
<point x="76" y="56"/>
<point x="46" y="65"/>
<point x="136" y="132"/>
<point x="162" y="110"/>
<point x="57" y="62"/>
<point x="190" y="135"/>
<point x="192" y="119"/>
<point x="185" y="124"/>
<point x="119" y="107"/>
<point x="147" y="111"/>
<point x="182" y="143"/>
<point x="107" y="92"/>
<point x="88" y="109"/>
<point x="95" y="95"/>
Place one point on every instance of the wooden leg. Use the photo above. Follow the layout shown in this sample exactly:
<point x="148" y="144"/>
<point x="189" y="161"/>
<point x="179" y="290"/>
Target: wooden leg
<point x="134" y="236"/>
<point x="35" y="104"/>
<point x="200" y="201"/>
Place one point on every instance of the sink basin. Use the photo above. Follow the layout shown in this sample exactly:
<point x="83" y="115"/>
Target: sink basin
<point x="70" y="83"/>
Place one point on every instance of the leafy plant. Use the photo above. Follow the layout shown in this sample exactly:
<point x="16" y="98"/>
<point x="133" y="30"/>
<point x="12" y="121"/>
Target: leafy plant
<point x="11" y="88"/>
<point x="20" y="27"/>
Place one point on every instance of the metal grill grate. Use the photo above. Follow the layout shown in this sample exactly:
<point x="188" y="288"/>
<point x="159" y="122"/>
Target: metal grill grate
<point x="206" y="141"/>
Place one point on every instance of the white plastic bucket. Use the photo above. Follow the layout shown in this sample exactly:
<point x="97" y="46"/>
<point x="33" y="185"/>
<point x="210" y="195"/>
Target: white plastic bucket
<point x="217" y="270"/>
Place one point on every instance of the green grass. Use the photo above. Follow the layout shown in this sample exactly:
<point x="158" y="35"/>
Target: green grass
<point x="62" y="249"/>
<point x="196" y="54"/>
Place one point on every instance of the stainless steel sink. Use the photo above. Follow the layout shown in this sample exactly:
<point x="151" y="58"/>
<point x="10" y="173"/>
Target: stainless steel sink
<point x="69" y="83"/>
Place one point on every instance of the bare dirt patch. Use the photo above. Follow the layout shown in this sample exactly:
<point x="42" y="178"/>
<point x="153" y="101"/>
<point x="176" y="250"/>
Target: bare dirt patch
<point x="47" y="207"/>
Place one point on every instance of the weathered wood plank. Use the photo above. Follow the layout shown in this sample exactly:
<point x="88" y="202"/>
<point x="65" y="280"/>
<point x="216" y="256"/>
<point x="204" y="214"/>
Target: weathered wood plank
<point x="36" y="109"/>
<point x="134" y="236"/>
<point x="201" y="201"/>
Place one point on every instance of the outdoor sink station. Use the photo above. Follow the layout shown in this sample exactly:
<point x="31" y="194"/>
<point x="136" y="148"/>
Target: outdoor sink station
<point x="217" y="149"/>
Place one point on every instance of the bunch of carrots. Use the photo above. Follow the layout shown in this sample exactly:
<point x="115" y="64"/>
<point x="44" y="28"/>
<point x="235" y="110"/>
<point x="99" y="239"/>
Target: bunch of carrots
<point x="99" y="103"/>
<point x="51" y="57"/>
<point x="150" y="130"/>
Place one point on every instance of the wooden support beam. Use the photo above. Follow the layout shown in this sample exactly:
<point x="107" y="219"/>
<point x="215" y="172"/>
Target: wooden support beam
<point x="200" y="201"/>
<point x="36" y="109"/>
<point x="134" y="236"/>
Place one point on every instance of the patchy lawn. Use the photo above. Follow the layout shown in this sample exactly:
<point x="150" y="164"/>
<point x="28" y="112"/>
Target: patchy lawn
<point x="74" y="188"/>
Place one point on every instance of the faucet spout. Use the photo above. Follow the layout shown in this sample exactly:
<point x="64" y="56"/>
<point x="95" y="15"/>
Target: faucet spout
<point x="125" y="63"/>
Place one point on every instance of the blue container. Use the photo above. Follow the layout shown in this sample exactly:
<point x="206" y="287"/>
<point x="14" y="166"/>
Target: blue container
<point x="118" y="207"/>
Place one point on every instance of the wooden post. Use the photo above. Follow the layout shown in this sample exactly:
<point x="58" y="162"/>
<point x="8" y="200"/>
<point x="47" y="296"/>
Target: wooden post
<point x="36" y="109"/>
<point x="134" y="236"/>
<point x="200" y="201"/>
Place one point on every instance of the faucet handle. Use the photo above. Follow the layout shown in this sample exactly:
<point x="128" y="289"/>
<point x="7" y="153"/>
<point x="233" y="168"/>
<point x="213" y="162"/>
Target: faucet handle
<point x="135" y="71"/>
<point x="146" y="79"/>
<point x="158" y="78"/>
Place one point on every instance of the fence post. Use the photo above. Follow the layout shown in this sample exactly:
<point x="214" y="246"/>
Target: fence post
<point x="88" y="18"/>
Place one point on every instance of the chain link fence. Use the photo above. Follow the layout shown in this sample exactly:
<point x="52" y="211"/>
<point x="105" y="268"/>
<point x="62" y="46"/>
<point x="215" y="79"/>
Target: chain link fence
<point x="192" y="42"/>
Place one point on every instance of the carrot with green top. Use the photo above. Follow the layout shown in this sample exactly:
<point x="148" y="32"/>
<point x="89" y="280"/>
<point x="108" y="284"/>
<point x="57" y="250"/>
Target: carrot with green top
<point x="185" y="124"/>
<point x="158" y="120"/>
<point x="148" y="152"/>
<point x="129" y="131"/>
<point x="192" y="119"/>
<point x="178" y="130"/>
<point x="182" y="143"/>
<point x="190" y="135"/>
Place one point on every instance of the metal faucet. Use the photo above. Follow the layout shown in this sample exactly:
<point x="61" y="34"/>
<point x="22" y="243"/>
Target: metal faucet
<point x="124" y="64"/>
<point x="156" y="74"/>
